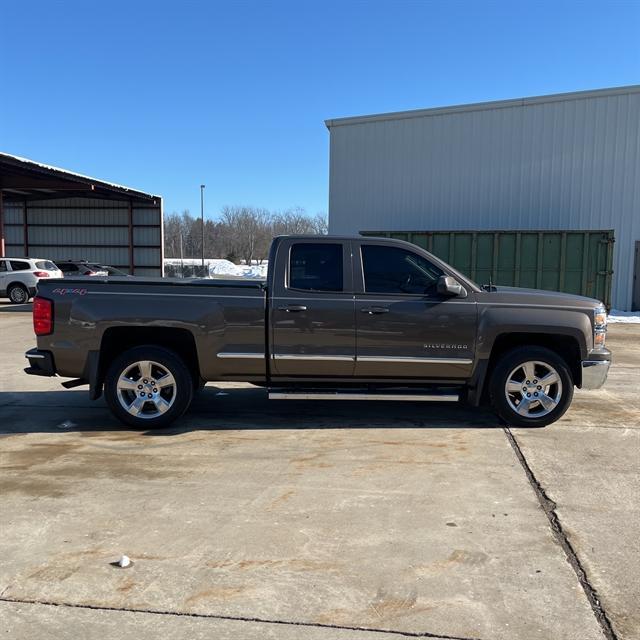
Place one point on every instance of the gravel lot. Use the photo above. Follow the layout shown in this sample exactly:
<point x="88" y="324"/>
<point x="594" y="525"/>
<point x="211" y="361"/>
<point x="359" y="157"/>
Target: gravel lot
<point x="260" y="519"/>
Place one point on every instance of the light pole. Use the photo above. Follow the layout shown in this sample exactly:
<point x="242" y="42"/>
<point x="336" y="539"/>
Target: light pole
<point x="181" y="258"/>
<point x="202" y="219"/>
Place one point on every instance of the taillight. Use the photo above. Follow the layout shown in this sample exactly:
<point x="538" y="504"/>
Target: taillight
<point x="42" y="316"/>
<point x="91" y="273"/>
<point x="41" y="274"/>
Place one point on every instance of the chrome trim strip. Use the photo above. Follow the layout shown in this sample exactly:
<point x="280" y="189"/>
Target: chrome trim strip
<point x="417" y="360"/>
<point x="285" y="395"/>
<point x="241" y="355"/>
<point x="311" y="356"/>
<point x="258" y="296"/>
<point x="33" y="356"/>
<point x="534" y="306"/>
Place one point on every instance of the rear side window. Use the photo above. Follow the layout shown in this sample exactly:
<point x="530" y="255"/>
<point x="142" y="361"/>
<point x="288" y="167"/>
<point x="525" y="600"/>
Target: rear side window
<point x="316" y="267"/>
<point x="3" y="265"/>
<point x="47" y="265"/>
<point x="398" y="271"/>
<point x="19" y="265"/>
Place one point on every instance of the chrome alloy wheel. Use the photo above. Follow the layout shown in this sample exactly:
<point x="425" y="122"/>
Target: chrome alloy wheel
<point x="146" y="389"/>
<point x="18" y="295"/>
<point x="533" y="389"/>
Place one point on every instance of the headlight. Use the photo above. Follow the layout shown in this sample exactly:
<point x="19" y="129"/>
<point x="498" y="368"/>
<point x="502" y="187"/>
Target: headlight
<point x="600" y="319"/>
<point x="599" y="327"/>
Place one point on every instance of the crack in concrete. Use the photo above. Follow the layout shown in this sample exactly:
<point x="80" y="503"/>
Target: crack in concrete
<point x="319" y="625"/>
<point x="549" y="508"/>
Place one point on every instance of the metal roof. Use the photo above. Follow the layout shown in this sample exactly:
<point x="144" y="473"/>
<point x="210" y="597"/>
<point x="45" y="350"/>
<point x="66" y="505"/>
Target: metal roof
<point x="482" y="106"/>
<point x="25" y="178"/>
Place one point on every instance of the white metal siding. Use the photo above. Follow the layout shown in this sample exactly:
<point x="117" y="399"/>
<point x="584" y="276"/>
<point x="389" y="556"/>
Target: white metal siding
<point x="84" y="228"/>
<point x="99" y="217"/>
<point x="109" y="256"/>
<point x="572" y="163"/>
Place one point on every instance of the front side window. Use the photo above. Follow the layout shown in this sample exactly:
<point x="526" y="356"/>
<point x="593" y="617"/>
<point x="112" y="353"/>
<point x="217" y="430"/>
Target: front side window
<point x="19" y="265"/>
<point x="3" y="265"/>
<point x="316" y="267"/>
<point x="398" y="271"/>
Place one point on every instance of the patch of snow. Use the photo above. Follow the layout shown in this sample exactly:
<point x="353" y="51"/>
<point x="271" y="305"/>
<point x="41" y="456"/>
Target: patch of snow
<point x="220" y="267"/>
<point x="624" y="317"/>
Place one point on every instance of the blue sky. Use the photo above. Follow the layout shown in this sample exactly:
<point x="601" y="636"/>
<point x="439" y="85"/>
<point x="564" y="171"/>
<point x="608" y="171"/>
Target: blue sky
<point x="166" y="96"/>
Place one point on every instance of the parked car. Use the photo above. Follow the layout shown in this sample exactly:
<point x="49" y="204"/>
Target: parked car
<point x="81" y="268"/>
<point x="337" y="318"/>
<point x="19" y="277"/>
<point x="112" y="271"/>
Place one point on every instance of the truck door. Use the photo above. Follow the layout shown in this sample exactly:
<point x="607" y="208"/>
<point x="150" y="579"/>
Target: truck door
<point x="312" y="312"/>
<point x="405" y="329"/>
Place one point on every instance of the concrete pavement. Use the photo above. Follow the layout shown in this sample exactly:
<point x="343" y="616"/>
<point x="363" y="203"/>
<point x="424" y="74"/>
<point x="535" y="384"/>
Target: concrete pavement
<point x="310" y="520"/>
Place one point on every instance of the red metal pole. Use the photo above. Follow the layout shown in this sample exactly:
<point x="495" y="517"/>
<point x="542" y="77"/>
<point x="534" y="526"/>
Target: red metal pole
<point x="131" y="265"/>
<point x="1" y="226"/>
<point x="25" y="229"/>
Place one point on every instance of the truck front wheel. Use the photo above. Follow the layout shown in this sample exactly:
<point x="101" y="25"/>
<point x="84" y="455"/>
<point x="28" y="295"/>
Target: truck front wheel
<point x="148" y="387"/>
<point x="531" y="387"/>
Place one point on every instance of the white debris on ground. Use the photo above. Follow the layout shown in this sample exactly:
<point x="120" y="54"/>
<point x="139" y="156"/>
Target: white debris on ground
<point x="627" y="317"/>
<point x="124" y="561"/>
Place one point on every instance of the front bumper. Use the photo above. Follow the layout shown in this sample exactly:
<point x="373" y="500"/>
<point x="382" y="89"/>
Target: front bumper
<point x="40" y="363"/>
<point x="594" y="373"/>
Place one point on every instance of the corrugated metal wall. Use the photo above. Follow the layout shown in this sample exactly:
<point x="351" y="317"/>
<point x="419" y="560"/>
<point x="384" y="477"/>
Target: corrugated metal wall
<point x="87" y="229"/>
<point x="572" y="261"/>
<point x="566" y="162"/>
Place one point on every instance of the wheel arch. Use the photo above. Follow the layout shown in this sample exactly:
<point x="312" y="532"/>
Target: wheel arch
<point x="566" y="346"/>
<point x="17" y="283"/>
<point x="117" y="340"/>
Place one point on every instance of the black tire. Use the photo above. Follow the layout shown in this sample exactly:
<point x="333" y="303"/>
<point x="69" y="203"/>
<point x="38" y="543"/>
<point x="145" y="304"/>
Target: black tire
<point x="511" y="367"/>
<point x="177" y="396"/>
<point x="18" y="294"/>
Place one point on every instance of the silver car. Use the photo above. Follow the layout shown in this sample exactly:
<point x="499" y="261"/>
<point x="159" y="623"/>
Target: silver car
<point x="19" y="277"/>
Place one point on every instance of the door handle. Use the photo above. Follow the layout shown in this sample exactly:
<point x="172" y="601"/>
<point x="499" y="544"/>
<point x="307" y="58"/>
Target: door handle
<point x="373" y="310"/>
<point x="290" y="308"/>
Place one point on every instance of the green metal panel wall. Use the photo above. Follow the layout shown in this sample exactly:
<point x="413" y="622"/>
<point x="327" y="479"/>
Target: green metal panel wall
<point x="571" y="261"/>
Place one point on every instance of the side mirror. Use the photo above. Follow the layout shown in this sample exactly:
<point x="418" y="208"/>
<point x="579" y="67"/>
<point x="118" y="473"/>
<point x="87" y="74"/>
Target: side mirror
<point x="449" y="286"/>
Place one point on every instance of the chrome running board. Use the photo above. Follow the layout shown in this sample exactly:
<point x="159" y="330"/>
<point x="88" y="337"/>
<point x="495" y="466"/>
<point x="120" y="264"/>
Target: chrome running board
<point x="407" y="396"/>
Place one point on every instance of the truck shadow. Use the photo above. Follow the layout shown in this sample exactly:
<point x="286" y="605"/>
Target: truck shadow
<point x="246" y="408"/>
<point x="8" y="307"/>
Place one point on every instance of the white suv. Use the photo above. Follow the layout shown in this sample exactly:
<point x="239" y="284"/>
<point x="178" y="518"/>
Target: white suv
<point x="19" y="277"/>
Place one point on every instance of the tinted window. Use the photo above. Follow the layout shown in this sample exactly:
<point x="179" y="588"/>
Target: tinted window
<point x="47" y="265"/>
<point x="3" y="265"/>
<point x="397" y="271"/>
<point x="316" y="267"/>
<point x="19" y="265"/>
<point x="66" y="267"/>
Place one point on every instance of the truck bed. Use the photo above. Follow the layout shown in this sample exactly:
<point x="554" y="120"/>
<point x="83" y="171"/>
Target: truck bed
<point x="219" y="315"/>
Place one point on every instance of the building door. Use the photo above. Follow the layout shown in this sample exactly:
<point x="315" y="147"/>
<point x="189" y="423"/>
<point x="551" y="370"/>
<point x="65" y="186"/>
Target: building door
<point x="405" y="329"/>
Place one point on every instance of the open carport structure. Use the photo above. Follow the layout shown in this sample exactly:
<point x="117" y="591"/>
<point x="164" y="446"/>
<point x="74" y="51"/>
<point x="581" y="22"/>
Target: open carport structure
<point x="47" y="212"/>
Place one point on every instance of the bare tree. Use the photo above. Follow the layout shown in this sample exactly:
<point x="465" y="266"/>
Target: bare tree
<point x="241" y="232"/>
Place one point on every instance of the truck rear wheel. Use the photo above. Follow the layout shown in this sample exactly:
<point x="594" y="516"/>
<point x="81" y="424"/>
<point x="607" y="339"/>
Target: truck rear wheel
<point x="531" y="387"/>
<point x="148" y="387"/>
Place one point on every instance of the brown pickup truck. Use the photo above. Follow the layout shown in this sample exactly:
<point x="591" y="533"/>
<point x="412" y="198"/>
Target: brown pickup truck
<point x="336" y="318"/>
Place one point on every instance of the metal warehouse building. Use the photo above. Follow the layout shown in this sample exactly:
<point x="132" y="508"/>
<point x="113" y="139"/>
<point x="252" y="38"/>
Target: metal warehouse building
<point x="46" y="212"/>
<point x="504" y="189"/>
